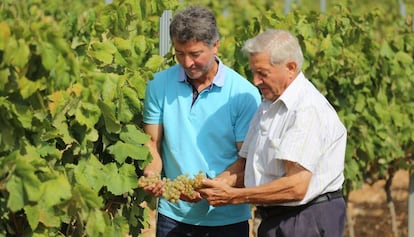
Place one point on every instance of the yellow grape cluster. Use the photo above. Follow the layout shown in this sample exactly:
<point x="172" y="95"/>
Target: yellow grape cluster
<point x="174" y="188"/>
<point x="148" y="180"/>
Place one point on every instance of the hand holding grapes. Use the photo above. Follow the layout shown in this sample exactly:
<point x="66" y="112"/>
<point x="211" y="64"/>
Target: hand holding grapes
<point x="152" y="184"/>
<point x="217" y="192"/>
<point x="196" y="197"/>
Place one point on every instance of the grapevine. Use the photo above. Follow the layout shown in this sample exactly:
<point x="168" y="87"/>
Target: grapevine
<point x="182" y="184"/>
<point x="90" y="131"/>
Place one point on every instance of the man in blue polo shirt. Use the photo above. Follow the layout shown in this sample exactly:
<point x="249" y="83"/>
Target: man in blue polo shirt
<point x="197" y="114"/>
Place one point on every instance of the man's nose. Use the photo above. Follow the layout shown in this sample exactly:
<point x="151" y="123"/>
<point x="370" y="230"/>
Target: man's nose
<point x="188" y="61"/>
<point x="257" y="80"/>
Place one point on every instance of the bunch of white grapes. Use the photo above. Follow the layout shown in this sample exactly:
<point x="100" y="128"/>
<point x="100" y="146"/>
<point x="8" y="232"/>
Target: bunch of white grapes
<point x="182" y="184"/>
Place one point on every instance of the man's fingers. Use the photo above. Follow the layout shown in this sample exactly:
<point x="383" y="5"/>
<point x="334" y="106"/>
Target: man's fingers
<point x="209" y="183"/>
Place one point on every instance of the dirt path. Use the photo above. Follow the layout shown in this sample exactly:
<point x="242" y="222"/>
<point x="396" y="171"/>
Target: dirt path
<point x="370" y="212"/>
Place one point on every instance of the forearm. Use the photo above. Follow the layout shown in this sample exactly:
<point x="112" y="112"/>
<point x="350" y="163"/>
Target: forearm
<point x="154" y="146"/>
<point x="234" y="175"/>
<point x="154" y="167"/>
<point x="285" y="189"/>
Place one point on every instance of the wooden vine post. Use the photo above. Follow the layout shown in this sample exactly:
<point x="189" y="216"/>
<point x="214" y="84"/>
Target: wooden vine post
<point x="165" y="41"/>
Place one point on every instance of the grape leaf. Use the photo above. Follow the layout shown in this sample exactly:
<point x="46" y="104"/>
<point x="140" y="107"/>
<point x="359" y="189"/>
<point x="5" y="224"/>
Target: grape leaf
<point x="121" y="180"/>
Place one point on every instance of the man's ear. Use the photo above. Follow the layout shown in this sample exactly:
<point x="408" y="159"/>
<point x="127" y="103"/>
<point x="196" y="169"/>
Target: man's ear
<point x="216" y="46"/>
<point x="292" y="67"/>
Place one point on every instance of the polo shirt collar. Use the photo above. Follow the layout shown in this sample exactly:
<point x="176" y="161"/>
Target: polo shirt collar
<point x="218" y="78"/>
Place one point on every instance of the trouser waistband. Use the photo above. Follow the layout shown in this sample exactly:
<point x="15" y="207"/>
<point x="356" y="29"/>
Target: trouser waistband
<point x="267" y="211"/>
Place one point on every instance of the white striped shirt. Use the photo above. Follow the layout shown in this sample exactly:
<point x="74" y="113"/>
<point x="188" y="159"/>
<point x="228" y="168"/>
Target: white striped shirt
<point x="300" y="126"/>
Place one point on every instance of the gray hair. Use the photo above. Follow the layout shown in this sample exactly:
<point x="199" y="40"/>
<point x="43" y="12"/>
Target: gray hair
<point x="194" y="23"/>
<point x="281" y="45"/>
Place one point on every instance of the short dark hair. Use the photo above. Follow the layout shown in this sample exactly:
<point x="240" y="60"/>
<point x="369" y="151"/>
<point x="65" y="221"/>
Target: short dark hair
<point x="194" y="23"/>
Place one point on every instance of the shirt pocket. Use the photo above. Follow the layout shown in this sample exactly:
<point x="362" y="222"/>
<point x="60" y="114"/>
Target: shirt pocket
<point x="274" y="160"/>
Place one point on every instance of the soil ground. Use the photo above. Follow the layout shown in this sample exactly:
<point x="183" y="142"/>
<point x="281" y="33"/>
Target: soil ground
<point x="367" y="208"/>
<point x="370" y="212"/>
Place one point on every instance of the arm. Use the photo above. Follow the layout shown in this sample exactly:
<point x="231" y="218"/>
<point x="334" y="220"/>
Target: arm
<point x="155" y="166"/>
<point x="154" y="144"/>
<point x="234" y="174"/>
<point x="292" y="187"/>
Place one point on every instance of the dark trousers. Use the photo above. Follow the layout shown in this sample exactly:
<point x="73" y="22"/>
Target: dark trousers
<point x="167" y="227"/>
<point x="324" y="219"/>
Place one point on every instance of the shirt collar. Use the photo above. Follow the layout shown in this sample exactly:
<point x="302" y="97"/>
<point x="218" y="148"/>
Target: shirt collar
<point x="218" y="78"/>
<point x="289" y="96"/>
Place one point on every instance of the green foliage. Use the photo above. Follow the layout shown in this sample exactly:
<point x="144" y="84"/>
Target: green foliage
<point x="72" y="81"/>
<point x="359" y="55"/>
<point x="367" y="78"/>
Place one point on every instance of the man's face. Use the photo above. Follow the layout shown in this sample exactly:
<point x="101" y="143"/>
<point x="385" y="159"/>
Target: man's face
<point x="272" y="80"/>
<point x="195" y="57"/>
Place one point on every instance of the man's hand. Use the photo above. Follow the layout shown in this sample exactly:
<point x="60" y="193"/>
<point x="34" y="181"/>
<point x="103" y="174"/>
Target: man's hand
<point x="156" y="189"/>
<point x="152" y="184"/>
<point x="217" y="192"/>
<point x="196" y="197"/>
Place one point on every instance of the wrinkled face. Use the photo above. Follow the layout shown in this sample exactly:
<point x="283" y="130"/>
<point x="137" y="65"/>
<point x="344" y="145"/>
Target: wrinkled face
<point x="196" y="57"/>
<point x="272" y="80"/>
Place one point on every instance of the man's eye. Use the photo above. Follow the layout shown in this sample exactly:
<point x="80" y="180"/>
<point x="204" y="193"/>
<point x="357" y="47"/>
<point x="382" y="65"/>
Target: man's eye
<point x="262" y="74"/>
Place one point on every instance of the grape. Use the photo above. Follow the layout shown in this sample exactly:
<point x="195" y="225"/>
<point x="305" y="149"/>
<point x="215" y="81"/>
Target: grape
<point x="148" y="180"/>
<point x="174" y="188"/>
<point x="198" y="180"/>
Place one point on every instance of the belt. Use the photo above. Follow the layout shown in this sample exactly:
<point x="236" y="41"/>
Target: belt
<point x="268" y="211"/>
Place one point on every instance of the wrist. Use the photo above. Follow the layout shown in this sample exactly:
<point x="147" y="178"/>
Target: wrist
<point x="240" y="197"/>
<point x="151" y="173"/>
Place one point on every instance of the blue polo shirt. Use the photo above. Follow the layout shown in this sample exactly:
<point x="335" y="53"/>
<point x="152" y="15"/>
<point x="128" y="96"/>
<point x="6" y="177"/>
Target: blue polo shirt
<point x="200" y="136"/>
